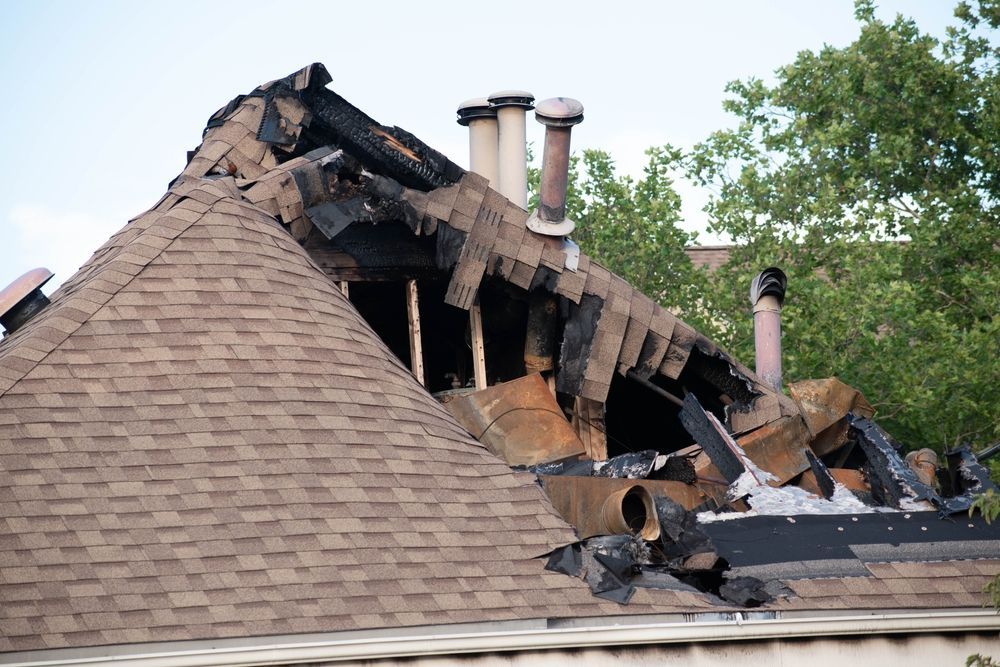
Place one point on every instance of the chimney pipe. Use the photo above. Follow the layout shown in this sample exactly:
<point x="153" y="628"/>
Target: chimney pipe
<point x="481" y="119"/>
<point x="767" y="294"/>
<point x="512" y="148"/>
<point x="22" y="299"/>
<point x="558" y="115"/>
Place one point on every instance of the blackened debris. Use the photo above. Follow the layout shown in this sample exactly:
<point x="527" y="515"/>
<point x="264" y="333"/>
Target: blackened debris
<point x="609" y="562"/>
<point x="824" y="480"/>
<point x="751" y="591"/>
<point x="680" y="535"/>
<point x="968" y="477"/>
<point x="569" y="467"/>
<point x="418" y="166"/>
<point x="566" y="560"/>
<point x="449" y="246"/>
<point x="632" y="465"/>
<point x="697" y="423"/>
<point x="969" y="474"/>
<point x="678" y="469"/>
<point x="578" y="337"/>
<point x="898" y="483"/>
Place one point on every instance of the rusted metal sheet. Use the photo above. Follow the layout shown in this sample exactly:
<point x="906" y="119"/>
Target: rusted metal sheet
<point x="610" y="506"/>
<point x="831" y="438"/>
<point x="778" y="448"/>
<point x="825" y="402"/>
<point x="852" y="479"/>
<point x="519" y="421"/>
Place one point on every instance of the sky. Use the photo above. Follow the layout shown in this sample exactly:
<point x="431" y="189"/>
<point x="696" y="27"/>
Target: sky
<point x="104" y="98"/>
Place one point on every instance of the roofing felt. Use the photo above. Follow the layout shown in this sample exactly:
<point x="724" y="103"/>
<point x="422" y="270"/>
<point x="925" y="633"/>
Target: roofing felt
<point x="201" y="437"/>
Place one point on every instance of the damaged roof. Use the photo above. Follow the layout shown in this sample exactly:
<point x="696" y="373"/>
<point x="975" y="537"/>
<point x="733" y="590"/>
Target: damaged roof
<point x="201" y="437"/>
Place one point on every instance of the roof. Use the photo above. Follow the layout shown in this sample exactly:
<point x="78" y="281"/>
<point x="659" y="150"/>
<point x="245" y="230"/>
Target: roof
<point x="202" y="438"/>
<point x="712" y="257"/>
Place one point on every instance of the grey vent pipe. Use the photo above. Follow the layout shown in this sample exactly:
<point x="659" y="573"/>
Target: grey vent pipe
<point x="767" y="294"/>
<point x="512" y="147"/>
<point x="481" y="119"/>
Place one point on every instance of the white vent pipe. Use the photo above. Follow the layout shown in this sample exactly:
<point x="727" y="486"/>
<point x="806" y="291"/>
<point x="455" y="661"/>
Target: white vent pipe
<point x="512" y="153"/>
<point x="481" y="119"/>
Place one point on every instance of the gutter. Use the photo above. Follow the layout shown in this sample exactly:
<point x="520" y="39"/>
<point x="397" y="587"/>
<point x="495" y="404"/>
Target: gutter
<point x="206" y="653"/>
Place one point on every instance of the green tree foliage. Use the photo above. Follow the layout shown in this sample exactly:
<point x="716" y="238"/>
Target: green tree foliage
<point x="871" y="175"/>
<point x="630" y="226"/>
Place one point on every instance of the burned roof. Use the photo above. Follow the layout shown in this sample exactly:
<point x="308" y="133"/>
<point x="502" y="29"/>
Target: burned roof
<point x="203" y="437"/>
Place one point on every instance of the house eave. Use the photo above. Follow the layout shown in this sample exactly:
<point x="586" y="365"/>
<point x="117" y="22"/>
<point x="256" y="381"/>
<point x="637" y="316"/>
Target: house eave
<point x="512" y="637"/>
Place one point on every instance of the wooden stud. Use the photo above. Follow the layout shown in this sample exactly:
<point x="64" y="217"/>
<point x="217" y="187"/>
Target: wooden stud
<point x="588" y="418"/>
<point x="413" y="319"/>
<point x="478" y="349"/>
<point x="343" y="288"/>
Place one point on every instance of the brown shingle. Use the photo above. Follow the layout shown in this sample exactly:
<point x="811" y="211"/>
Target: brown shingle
<point x="226" y="448"/>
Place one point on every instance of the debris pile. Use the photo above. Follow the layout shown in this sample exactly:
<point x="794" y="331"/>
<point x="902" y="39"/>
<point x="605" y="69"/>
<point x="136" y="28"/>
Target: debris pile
<point x="661" y="518"/>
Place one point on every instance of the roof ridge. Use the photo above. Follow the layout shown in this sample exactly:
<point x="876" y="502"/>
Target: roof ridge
<point x="90" y="288"/>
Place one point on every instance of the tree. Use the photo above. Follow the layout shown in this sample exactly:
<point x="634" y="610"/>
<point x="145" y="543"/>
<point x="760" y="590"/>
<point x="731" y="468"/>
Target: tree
<point x="631" y="226"/>
<point x="871" y="175"/>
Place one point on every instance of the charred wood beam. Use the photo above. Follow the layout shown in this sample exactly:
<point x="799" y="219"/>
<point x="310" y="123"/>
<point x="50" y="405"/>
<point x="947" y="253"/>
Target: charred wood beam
<point x="391" y="151"/>
<point x="697" y="422"/>
<point x="897" y="480"/>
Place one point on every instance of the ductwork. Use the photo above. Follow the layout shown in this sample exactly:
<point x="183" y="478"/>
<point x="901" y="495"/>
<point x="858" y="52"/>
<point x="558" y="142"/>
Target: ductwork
<point x="512" y="147"/>
<point x="540" y="339"/>
<point x="23" y="299"/>
<point x="558" y="115"/>
<point x="767" y="294"/>
<point x="481" y="119"/>
<point x="603" y="506"/>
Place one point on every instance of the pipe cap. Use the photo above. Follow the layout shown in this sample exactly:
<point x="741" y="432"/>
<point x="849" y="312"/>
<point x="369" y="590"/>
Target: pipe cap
<point x="559" y="112"/>
<point x="769" y="282"/>
<point x="477" y="107"/>
<point x="512" y="98"/>
<point x="14" y="293"/>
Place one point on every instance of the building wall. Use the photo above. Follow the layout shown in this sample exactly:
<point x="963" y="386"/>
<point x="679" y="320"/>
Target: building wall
<point x="878" y="651"/>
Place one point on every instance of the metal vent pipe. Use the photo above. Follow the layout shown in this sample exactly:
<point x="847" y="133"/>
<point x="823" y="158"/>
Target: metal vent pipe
<point x="22" y="299"/>
<point x="558" y="115"/>
<point x="767" y="294"/>
<point x="512" y="147"/>
<point x="481" y="119"/>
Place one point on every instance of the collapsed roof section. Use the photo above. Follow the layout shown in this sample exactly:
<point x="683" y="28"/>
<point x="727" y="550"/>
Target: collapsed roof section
<point x="386" y="215"/>
<point x="344" y="185"/>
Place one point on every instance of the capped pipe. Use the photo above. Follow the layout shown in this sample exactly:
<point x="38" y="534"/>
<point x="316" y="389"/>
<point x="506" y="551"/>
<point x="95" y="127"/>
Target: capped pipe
<point x="481" y="119"/>
<point x="558" y="115"/>
<point x="512" y="147"/>
<point x="767" y="294"/>
<point x="22" y="299"/>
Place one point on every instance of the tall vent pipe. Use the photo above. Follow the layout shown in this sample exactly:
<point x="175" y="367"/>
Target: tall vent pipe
<point x="558" y="115"/>
<point x="512" y="147"/>
<point x="481" y="119"/>
<point x="767" y="294"/>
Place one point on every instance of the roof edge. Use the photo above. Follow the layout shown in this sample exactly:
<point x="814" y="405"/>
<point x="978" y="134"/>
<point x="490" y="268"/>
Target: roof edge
<point x="516" y="636"/>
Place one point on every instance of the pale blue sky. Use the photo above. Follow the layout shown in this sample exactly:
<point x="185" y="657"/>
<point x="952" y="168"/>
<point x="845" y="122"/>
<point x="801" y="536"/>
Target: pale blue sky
<point x="102" y="99"/>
